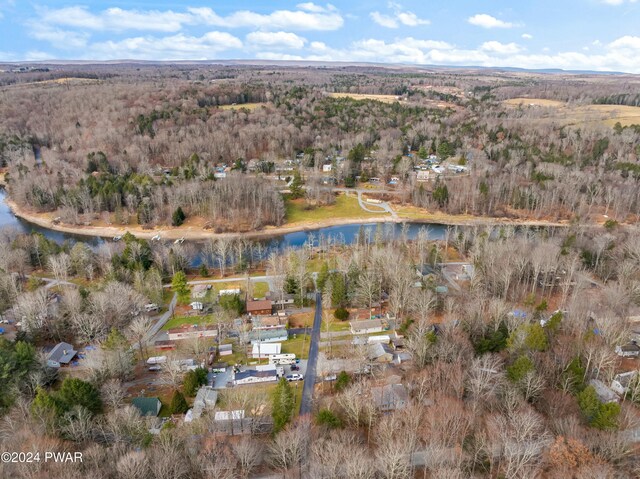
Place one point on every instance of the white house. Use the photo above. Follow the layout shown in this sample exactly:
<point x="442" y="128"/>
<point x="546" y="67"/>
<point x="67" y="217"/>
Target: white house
<point x="630" y="350"/>
<point x="197" y="306"/>
<point x="191" y="332"/>
<point x="327" y="168"/>
<point x="366" y="327"/>
<point x="264" y="350"/>
<point x="423" y="175"/>
<point x="620" y="383"/>
<point x="605" y="394"/>
<point x="252" y="376"/>
<point x="224" y="292"/>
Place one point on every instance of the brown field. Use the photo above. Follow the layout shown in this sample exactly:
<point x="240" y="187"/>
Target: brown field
<point x="361" y="96"/>
<point x="561" y="112"/>
<point x="248" y="106"/>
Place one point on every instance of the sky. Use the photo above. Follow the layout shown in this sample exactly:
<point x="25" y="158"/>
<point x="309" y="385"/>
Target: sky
<point x="601" y="35"/>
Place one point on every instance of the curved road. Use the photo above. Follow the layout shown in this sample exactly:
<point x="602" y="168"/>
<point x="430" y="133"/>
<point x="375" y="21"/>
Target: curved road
<point x="306" y="403"/>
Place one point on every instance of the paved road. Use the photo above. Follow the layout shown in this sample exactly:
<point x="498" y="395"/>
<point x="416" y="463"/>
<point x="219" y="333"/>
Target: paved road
<point x="310" y="378"/>
<point x="161" y="321"/>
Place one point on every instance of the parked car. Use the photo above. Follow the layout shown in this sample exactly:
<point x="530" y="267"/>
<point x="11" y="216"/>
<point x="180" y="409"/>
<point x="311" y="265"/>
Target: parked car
<point x="295" y="368"/>
<point x="294" y="377"/>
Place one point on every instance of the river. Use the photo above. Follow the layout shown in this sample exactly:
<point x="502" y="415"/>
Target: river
<point x="342" y="234"/>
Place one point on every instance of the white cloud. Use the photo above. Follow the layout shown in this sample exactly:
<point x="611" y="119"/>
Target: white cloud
<point x="276" y="39"/>
<point x="311" y="18"/>
<point x="174" y="47"/>
<point x="622" y="54"/>
<point x="501" y="48"/>
<point x="399" y="17"/>
<point x="617" y="2"/>
<point x="115" y="19"/>
<point x="527" y="36"/>
<point x="487" y="21"/>
<point x="59" y="38"/>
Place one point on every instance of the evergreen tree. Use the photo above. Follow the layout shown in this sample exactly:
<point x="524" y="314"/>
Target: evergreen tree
<point x="178" y="217"/>
<point x="295" y="187"/>
<point x="193" y="380"/>
<point x="180" y="286"/>
<point x="178" y="403"/>
<point x="282" y="405"/>
<point x="76" y="392"/>
<point x="339" y="290"/>
<point x="323" y="276"/>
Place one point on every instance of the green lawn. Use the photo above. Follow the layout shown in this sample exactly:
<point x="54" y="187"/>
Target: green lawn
<point x="178" y="321"/>
<point x="344" y="207"/>
<point x="298" y="346"/>
<point x="260" y="289"/>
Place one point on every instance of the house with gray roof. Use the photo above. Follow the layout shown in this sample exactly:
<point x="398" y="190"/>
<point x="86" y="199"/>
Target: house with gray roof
<point x="61" y="355"/>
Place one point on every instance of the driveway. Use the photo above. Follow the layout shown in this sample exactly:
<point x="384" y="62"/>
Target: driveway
<point x="310" y="378"/>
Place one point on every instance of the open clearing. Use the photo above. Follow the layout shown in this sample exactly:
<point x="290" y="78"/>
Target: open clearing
<point x="344" y="207"/>
<point x="361" y="96"/>
<point x="561" y="112"/>
<point x="246" y="106"/>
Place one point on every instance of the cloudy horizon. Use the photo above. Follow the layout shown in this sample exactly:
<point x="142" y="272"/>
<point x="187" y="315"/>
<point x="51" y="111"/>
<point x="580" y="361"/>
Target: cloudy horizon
<point x="598" y="35"/>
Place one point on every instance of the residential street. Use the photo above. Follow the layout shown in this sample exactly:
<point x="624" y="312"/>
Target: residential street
<point x="314" y="347"/>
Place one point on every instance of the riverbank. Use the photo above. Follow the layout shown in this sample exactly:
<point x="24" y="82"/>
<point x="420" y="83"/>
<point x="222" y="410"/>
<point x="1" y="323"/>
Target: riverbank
<point x="45" y="220"/>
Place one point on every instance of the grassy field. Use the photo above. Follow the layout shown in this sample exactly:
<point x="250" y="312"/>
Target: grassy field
<point x="344" y="207"/>
<point x="360" y="96"/>
<point x="580" y="114"/>
<point x="260" y="289"/>
<point x="247" y="106"/>
<point x="178" y="321"/>
<point x="298" y="346"/>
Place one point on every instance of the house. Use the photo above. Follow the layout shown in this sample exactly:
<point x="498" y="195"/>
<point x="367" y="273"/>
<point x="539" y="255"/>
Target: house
<point x="165" y="345"/>
<point x="380" y="353"/>
<point x="231" y="292"/>
<point x="423" y="175"/>
<point x="229" y="415"/>
<point x="268" y="336"/>
<point x="206" y="397"/>
<point x="620" y="383"/>
<point x="366" y="327"/>
<point x="327" y="168"/>
<point x="61" y="355"/>
<point x="605" y="394"/>
<point x="147" y="406"/>
<point x="281" y="300"/>
<point x="630" y="350"/>
<point x="251" y="376"/>
<point x="197" y="306"/>
<point x="397" y="342"/>
<point x="264" y="350"/>
<point x="192" y="331"/>
<point x="425" y="271"/>
<point x="200" y="291"/>
<point x="225" y="349"/>
<point x="269" y="322"/>
<point x="390" y="397"/>
<point x="262" y="306"/>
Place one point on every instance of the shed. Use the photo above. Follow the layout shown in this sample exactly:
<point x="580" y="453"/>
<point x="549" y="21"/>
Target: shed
<point x="225" y="349"/>
<point x="147" y="406"/>
<point x="630" y="350"/>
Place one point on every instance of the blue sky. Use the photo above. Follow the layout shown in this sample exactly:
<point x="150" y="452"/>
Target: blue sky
<point x="568" y="34"/>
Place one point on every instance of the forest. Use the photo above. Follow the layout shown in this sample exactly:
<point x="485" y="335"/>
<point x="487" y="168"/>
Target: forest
<point x="497" y="350"/>
<point x="132" y="146"/>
